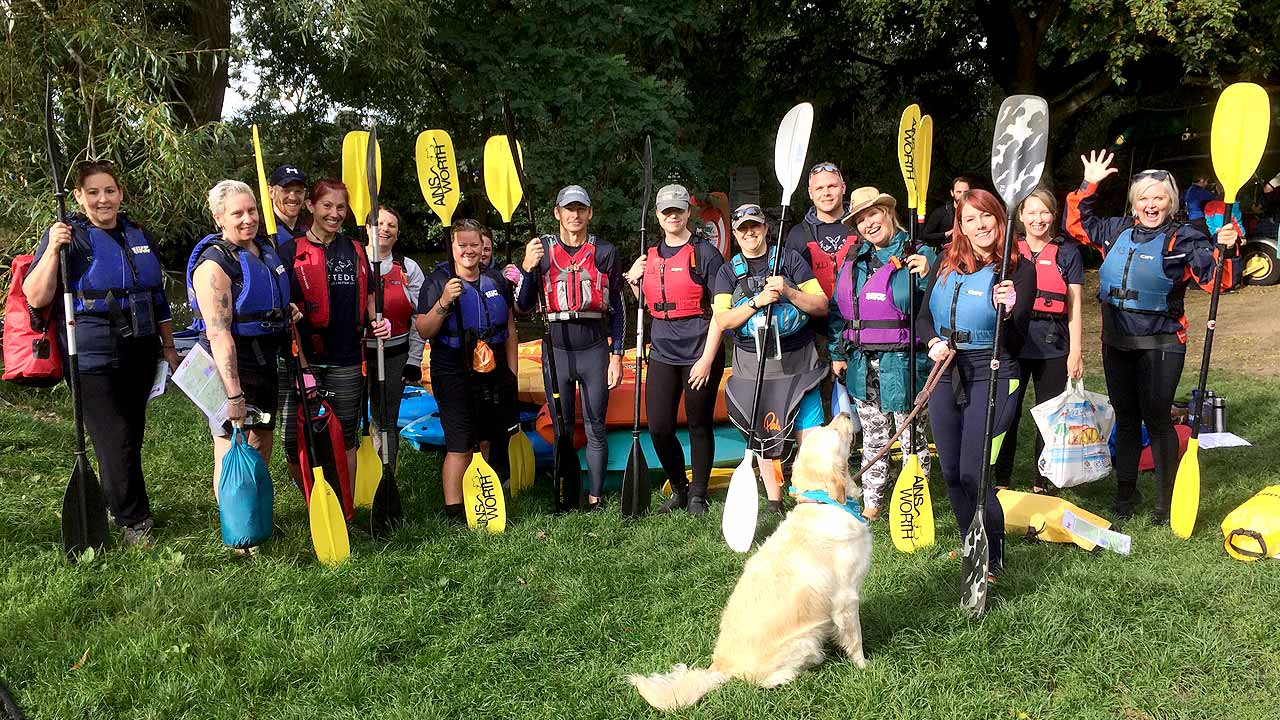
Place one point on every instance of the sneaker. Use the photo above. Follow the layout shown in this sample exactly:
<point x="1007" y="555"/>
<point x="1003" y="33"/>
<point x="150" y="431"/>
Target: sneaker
<point x="1160" y="516"/>
<point x="775" y="507"/>
<point x="677" y="501"/>
<point x="697" y="505"/>
<point x="140" y="535"/>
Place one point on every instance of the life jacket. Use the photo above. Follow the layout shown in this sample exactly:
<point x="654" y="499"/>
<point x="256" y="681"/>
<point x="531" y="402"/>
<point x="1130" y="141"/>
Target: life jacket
<point x="313" y="277"/>
<point x="396" y="305"/>
<point x="787" y="318"/>
<point x="962" y="310"/>
<point x="260" y="289"/>
<point x="671" y="291"/>
<point x="825" y="264"/>
<point x="1132" y="275"/>
<point x="115" y="271"/>
<point x="484" y="313"/>
<point x="1051" y="286"/>
<point x="575" y="290"/>
<point x="873" y="321"/>
<point x="30" y="346"/>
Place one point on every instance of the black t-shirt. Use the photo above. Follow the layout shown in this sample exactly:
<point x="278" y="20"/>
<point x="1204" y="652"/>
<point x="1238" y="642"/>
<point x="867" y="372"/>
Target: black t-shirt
<point x="445" y="359"/>
<point x="794" y="268"/>
<point x="830" y="237"/>
<point x="253" y="353"/>
<point x="343" y="338"/>
<point x="1049" y="337"/>
<point x="680" y="341"/>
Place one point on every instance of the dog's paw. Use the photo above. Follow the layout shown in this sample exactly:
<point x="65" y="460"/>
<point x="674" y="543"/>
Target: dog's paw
<point x="860" y="661"/>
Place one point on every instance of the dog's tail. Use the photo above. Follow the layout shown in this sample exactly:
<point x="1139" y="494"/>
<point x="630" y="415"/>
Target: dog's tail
<point x="679" y="688"/>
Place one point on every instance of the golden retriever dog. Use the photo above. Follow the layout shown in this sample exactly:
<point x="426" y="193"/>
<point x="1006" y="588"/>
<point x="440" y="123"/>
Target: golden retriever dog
<point x="800" y="589"/>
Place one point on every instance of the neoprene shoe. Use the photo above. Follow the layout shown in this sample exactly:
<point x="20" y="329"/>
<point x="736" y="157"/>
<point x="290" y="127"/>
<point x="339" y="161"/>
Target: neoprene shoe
<point x="677" y="501"/>
<point x="697" y="505"/>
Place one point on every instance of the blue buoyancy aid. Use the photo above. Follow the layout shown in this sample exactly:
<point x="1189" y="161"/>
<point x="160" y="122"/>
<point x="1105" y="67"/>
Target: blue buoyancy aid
<point x="1132" y="275"/>
<point x="787" y="318"/>
<point x="484" y="312"/>
<point x="259" y="286"/>
<point x="115" y="271"/>
<point x="962" y="310"/>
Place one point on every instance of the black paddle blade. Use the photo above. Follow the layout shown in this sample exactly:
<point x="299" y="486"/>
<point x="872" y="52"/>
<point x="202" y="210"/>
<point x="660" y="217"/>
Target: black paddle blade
<point x="84" y="512"/>
<point x="387" y="511"/>
<point x="975" y="565"/>
<point x="568" y="476"/>
<point x="636" y="489"/>
<point x="11" y="709"/>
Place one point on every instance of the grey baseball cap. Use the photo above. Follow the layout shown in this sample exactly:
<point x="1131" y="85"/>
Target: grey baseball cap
<point x="672" y="196"/>
<point x="572" y="194"/>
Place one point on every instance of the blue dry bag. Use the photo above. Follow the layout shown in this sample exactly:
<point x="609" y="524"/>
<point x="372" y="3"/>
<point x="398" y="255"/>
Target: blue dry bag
<point x="245" y="495"/>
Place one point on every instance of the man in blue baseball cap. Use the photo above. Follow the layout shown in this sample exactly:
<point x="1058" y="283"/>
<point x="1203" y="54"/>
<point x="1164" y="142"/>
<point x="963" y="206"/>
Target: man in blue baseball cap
<point x="288" y="189"/>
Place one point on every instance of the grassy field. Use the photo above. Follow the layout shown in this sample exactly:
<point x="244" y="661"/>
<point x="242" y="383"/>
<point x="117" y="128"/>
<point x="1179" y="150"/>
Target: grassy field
<point x="544" y="621"/>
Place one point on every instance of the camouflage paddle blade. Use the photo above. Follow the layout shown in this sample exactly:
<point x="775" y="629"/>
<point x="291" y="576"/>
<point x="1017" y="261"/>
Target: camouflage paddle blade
<point x="1019" y="147"/>
<point x="975" y="565"/>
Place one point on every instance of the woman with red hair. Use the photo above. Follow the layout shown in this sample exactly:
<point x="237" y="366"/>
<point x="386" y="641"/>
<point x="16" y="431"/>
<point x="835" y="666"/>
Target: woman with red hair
<point x="959" y="317"/>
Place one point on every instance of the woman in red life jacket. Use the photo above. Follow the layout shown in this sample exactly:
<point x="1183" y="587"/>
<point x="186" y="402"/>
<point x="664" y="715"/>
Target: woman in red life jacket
<point x="402" y="280"/>
<point x="684" y="353"/>
<point x="122" y="329"/>
<point x="1052" y="352"/>
<point x="329" y="276"/>
<point x="1148" y="260"/>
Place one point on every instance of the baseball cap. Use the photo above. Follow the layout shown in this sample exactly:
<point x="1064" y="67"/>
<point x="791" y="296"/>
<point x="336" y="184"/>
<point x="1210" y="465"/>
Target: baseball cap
<point x="572" y="194"/>
<point x="672" y="196"/>
<point x="285" y="174"/>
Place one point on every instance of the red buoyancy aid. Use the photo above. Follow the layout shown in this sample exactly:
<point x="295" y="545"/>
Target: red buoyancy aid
<point x="670" y="290"/>
<point x="825" y="264"/>
<point x="575" y="289"/>
<point x="31" y="354"/>
<point x="313" y="277"/>
<point x="1051" y="286"/>
<point x="396" y="306"/>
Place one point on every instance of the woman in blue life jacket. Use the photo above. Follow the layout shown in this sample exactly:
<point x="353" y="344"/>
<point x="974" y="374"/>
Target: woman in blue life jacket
<point x="744" y="291"/>
<point x="329" y="282"/>
<point x="239" y="293"/>
<point x="684" y="357"/>
<point x="1052" y="352"/>
<point x="1148" y="261"/>
<point x="869" y="332"/>
<point x="958" y="316"/>
<point x="123" y="328"/>
<point x="464" y="311"/>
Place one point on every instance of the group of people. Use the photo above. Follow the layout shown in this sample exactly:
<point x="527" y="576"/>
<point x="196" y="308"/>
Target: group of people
<point x="296" y="311"/>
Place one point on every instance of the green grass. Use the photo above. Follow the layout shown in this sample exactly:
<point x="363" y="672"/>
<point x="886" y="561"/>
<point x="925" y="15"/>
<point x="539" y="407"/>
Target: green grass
<point x="544" y="621"/>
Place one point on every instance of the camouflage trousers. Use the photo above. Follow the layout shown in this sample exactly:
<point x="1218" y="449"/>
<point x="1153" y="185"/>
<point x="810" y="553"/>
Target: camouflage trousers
<point x="877" y="427"/>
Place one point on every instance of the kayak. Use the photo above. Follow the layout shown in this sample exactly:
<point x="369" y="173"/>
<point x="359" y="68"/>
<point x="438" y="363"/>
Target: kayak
<point x="730" y="447"/>
<point x="416" y="402"/>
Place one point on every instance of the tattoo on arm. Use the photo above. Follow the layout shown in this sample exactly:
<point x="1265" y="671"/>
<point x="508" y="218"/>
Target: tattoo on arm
<point x="220" y="317"/>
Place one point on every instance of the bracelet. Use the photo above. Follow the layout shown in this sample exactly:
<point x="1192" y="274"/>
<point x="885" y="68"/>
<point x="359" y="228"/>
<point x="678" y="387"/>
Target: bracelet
<point x="169" y="347"/>
<point x="441" y="310"/>
<point x="235" y="397"/>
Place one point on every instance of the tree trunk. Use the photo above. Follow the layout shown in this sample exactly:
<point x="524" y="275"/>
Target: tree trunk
<point x="204" y="87"/>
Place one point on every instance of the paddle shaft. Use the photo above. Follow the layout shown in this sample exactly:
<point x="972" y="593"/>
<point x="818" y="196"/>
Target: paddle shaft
<point x="299" y="368"/>
<point x="911" y="329"/>
<point x="768" y="327"/>
<point x="989" y="427"/>
<point x="644" y="236"/>
<point x="371" y="170"/>
<point x="1210" y="325"/>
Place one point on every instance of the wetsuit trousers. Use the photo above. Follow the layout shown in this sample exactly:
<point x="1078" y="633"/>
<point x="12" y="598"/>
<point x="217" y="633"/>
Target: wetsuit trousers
<point x="346" y="385"/>
<point x="1050" y="378"/>
<point x="115" y="416"/>
<point x="387" y="403"/>
<point x="1141" y="384"/>
<point x="587" y="370"/>
<point x="663" y="387"/>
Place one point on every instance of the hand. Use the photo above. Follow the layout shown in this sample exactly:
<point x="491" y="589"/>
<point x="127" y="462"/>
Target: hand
<point x="1075" y="365"/>
<point x="766" y="297"/>
<point x="381" y="328"/>
<point x="533" y="253"/>
<point x="948" y="234"/>
<point x="1097" y="166"/>
<point x="700" y="373"/>
<point x="512" y="274"/>
<point x="412" y="375"/>
<point x="777" y="284"/>
<point x="309" y="383"/>
<point x="59" y="236"/>
<point x="235" y="410"/>
<point x="918" y="264"/>
<point x="636" y="273"/>
<point x="452" y="290"/>
<point x="940" y="350"/>
<point x="294" y="313"/>
<point x="839" y="368"/>
<point x="1228" y="235"/>
<point x="615" y="371"/>
<point x="171" y="357"/>
<point x="1004" y="294"/>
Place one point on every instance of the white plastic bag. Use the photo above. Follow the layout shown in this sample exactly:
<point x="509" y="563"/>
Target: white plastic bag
<point x="1075" y="426"/>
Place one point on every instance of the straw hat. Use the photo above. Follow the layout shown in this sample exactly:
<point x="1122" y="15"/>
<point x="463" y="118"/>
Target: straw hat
<point x="864" y="198"/>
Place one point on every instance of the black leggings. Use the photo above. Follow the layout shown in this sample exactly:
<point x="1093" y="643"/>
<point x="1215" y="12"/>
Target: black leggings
<point x="1050" y="377"/>
<point x="1141" y="384"/>
<point x="663" y="387"/>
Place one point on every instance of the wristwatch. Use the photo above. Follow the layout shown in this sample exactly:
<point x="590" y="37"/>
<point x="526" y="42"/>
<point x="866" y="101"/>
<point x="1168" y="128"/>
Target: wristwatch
<point x="752" y="302"/>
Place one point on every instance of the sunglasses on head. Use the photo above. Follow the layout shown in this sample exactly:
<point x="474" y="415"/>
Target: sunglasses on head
<point x="824" y="167"/>
<point x="751" y="211"/>
<point x="1157" y="175"/>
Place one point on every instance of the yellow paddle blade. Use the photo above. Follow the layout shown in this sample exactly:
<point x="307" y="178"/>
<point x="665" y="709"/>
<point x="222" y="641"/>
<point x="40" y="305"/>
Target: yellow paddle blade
<point x="355" y="149"/>
<point x="1239" y="135"/>
<point x="328" y="527"/>
<point x="924" y="160"/>
<point x="437" y="173"/>
<point x="1186" y="492"/>
<point x="501" y="183"/>
<point x="368" y="473"/>
<point x="264" y="193"/>
<point x="907" y="129"/>
<point x="520" y="452"/>
<point x="482" y="496"/>
<point x="911" y="508"/>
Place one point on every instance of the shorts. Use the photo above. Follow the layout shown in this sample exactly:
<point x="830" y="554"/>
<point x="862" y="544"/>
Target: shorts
<point x="809" y="413"/>
<point x="489" y="397"/>
<point x="261" y="391"/>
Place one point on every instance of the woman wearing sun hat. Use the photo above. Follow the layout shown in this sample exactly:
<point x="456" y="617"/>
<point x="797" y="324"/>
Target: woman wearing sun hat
<point x="869" y="331"/>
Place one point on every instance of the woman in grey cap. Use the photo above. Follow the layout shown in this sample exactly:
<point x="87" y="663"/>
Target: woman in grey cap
<point x="579" y="277"/>
<point x="684" y="352"/>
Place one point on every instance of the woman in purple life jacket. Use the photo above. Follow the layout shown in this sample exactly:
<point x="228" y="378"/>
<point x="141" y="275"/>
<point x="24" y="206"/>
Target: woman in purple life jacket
<point x="869" y="335"/>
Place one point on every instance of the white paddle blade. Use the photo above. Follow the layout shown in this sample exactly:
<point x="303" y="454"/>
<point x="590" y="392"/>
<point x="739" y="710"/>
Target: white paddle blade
<point x="791" y="148"/>
<point x="741" y="506"/>
<point x="1019" y="147"/>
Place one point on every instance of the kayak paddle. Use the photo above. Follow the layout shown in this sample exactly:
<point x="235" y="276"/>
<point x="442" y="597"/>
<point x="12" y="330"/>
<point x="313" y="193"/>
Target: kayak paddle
<point x="437" y="173"/>
<point x="1018" y="150"/>
<point x="742" y="503"/>
<point x="84" y="507"/>
<point x="328" y="525"/>
<point x="636" y="490"/>
<point x="1238" y="137"/>
<point x="910" y="505"/>
<point x="264" y="190"/>
<point x="568" y="474"/>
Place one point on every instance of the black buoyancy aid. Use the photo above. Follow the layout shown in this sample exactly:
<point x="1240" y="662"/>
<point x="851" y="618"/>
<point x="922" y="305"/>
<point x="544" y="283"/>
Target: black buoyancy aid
<point x="671" y="291"/>
<point x="1051" y="286"/>
<point x="825" y="264"/>
<point x="574" y="289"/>
<point x="259" y="287"/>
<point x="31" y="354"/>
<point x="115" y="271"/>
<point x="312" y="272"/>
<point x="484" y="312"/>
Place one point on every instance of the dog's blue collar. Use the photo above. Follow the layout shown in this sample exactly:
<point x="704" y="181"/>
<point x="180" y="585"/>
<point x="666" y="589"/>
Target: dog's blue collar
<point x="851" y="506"/>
